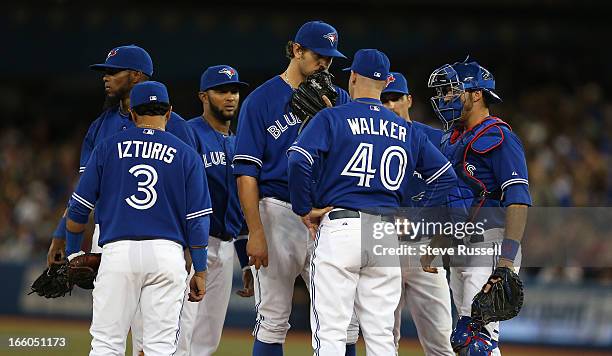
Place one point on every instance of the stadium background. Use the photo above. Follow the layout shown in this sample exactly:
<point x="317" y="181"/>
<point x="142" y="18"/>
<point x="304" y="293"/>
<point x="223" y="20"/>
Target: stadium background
<point x="550" y="60"/>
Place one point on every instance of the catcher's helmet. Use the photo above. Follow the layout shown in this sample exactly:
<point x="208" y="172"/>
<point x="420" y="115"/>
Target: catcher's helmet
<point x="450" y="81"/>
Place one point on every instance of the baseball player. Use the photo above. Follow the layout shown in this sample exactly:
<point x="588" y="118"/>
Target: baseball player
<point x="362" y="151"/>
<point x="202" y="323"/>
<point x="489" y="159"/>
<point x="152" y="203"/>
<point x="277" y="238"/>
<point x="125" y="66"/>
<point x="426" y="294"/>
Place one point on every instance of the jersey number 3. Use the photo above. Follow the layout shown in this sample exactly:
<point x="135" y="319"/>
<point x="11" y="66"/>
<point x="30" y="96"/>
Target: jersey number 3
<point x="146" y="186"/>
<point x="360" y="166"/>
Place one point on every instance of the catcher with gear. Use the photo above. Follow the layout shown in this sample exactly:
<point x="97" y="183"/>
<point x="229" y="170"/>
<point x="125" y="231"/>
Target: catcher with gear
<point x="58" y="279"/>
<point x="314" y="94"/>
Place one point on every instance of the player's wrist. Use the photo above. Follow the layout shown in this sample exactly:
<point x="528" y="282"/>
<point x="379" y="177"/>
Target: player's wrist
<point x="509" y="249"/>
<point x="60" y="230"/>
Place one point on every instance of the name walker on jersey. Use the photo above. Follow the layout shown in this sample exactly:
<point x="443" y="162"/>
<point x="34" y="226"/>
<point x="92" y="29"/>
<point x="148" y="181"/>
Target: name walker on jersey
<point x="377" y="127"/>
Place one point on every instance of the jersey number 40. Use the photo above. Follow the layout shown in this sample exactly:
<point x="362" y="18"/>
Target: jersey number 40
<point x="147" y="186"/>
<point x="360" y="166"/>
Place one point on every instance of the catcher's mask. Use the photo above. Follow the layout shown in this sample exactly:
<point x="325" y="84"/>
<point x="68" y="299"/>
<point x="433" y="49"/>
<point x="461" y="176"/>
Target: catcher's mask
<point x="450" y="81"/>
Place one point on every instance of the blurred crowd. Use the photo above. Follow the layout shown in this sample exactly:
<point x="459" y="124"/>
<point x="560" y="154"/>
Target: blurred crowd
<point x="566" y="135"/>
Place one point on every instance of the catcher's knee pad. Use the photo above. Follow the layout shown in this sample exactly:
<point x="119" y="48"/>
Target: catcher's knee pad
<point x="470" y="339"/>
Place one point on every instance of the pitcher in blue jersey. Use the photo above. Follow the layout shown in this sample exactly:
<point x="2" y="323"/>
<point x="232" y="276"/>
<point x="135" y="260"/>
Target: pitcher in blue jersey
<point x="426" y="294"/>
<point x="151" y="202"/>
<point x="202" y="323"/>
<point x="488" y="158"/>
<point x="277" y="239"/>
<point x="363" y="155"/>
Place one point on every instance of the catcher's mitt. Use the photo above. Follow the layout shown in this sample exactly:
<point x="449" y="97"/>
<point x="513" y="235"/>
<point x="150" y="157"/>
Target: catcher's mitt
<point x="307" y="99"/>
<point x="83" y="270"/>
<point x="504" y="299"/>
<point x="53" y="282"/>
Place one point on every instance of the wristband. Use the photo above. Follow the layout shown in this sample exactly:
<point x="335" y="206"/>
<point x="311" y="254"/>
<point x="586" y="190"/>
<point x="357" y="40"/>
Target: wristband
<point x="509" y="249"/>
<point x="60" y="230"/>
<point x="73" y="242"/>
<point x="199" y="258"/>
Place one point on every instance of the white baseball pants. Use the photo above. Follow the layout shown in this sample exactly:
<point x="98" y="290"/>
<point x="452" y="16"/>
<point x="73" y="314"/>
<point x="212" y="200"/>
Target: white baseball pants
<point x="342" y="280"/>
<point x="148" y="273"/>
<point x="427" y="296"/>
<point x="289" y="248"/>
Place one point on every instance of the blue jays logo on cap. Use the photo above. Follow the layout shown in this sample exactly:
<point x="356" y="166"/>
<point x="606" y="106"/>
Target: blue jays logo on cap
<point x="219" y="75"/>
<point x="396" y="83"/>
<point x="228" y="71"/>
<point x="332" y="37"/>
<point x="320" y="38"/>
<point x="111" y="53"/>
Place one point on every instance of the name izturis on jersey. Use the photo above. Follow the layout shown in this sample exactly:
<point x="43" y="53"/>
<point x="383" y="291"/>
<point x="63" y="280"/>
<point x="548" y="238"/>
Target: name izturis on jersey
<point x="144" y="149"/>
<point x="380" y="127"/>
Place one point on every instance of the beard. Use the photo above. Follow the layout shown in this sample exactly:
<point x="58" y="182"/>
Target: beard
<point x="218" y="113"/>
<point x="112" y="101"/>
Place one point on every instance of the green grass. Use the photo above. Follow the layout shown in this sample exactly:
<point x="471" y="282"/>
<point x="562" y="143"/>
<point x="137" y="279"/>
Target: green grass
<point x="233" y="343"/>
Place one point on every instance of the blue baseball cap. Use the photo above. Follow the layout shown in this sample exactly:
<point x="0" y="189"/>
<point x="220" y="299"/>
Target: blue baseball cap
<point x="396" y="83"/>
<point x="127" y="57"/>
<point x="148" y="92"/>
<point x="219" y="75"/>
<point x="476" y="77"/>
<point x="320" y="38"/>
<point x="370" y="63"/>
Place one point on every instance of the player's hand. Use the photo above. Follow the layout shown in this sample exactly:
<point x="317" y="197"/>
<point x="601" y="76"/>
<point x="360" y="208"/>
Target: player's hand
<point x="501" y="263"/>
<point x="57" y="252"/>
<point x="197" y="286"/>
<point x="426" y="261"/>
<point x="257" y="249"/>
<point x="327" y="101"/>
<point x="247" y="282"/>
<point x="312" y="220"/>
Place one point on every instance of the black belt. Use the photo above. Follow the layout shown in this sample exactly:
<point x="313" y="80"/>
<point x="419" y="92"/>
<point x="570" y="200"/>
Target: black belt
<point x="476" y="238"/>
<point x="343" y="214"/>
<point x="222" y="236"/>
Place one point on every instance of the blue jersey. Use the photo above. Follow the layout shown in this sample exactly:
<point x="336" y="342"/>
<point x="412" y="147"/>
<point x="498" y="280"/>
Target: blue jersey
<point x="145" y="184"/>
<point x="266" y="129"/>
<point x="363" y="152"/>
<point x="416" y="187"/>
<point x="217" y="151"/>
<point x="490" y="161"/>
<point x="112" y="121"/>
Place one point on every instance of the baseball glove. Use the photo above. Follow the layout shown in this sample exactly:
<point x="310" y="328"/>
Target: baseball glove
<point x="83" y="270"/>
<point x="307" y="99"/>
<point x="504" y="299"/>
<point x="59" y="279"/>
<point x="53" y="282"/>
